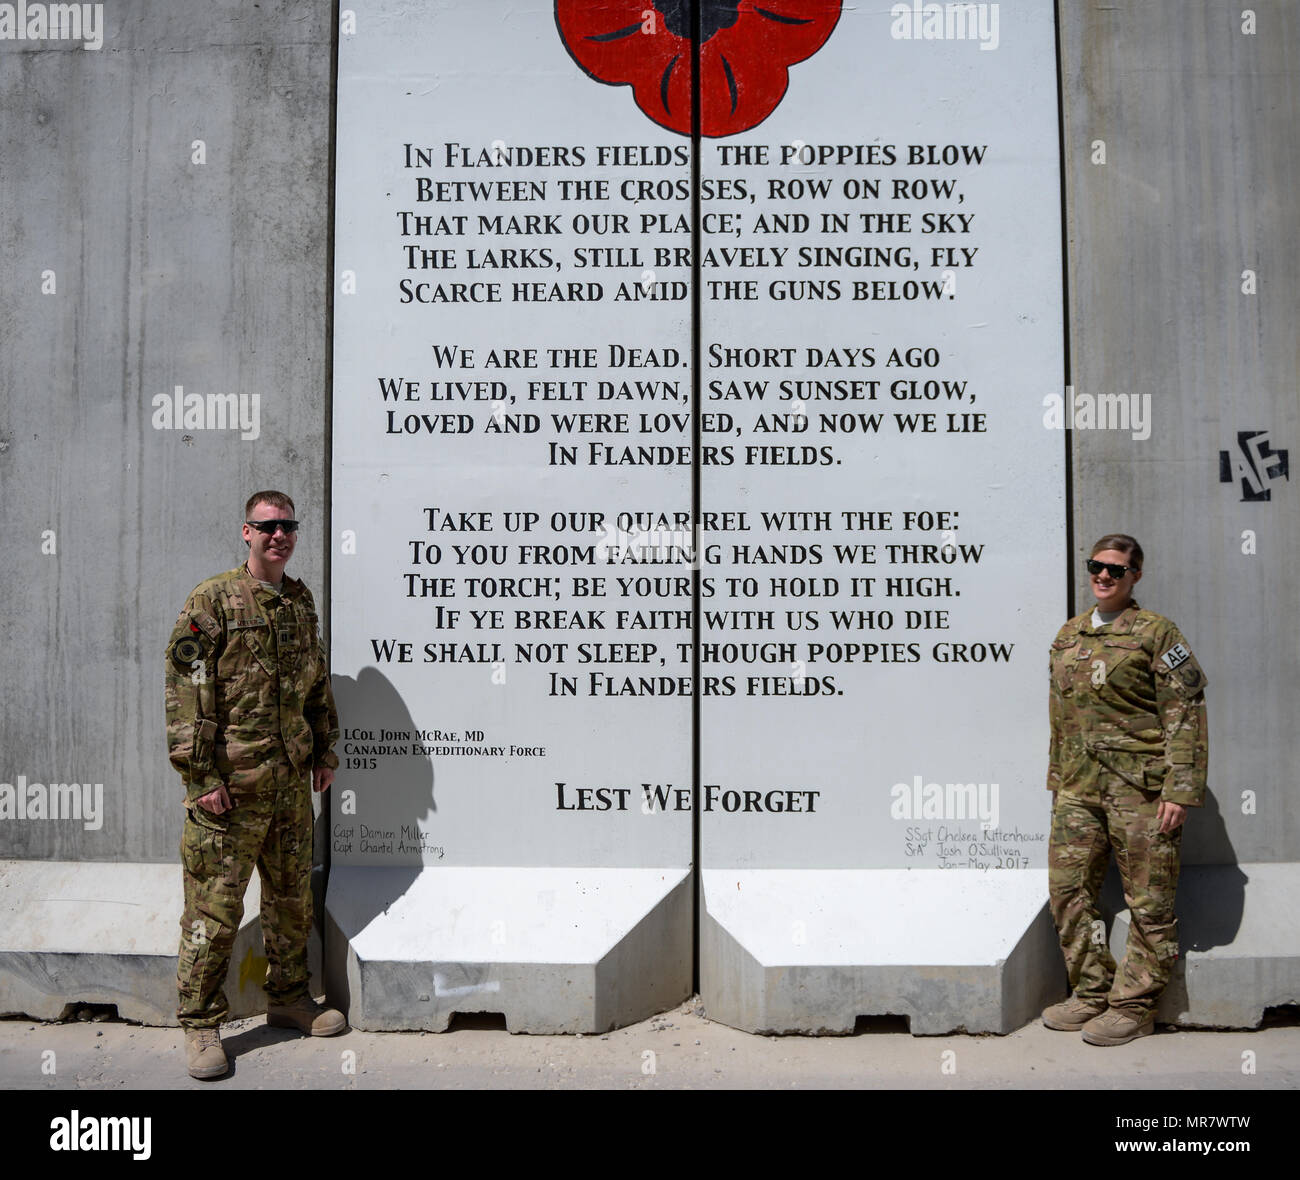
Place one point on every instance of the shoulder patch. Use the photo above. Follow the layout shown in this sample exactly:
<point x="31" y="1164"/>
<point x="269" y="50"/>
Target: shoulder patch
<point x="1176" y="655"/>
<point x="207" y="624"/>
<point x="186" y="651"/>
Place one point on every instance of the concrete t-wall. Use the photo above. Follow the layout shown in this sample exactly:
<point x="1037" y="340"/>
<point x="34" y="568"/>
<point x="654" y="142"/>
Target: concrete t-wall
<point x="1202" y="160"/>
<point x="213" y="276"/>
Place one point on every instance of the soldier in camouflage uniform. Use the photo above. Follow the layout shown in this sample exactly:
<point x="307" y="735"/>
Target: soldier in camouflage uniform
<point x="250" y="726"/>
<point x="1128" y="756"/>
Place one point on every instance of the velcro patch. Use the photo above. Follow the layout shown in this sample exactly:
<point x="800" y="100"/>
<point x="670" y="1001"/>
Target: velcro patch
<point x="209" y="625"/>
<point x="186" y="651"/>
<point x="1176" y="655"/>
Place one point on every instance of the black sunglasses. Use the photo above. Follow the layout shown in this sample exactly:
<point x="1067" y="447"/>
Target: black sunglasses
<point x="267" y="527"/>
<point x="1115" y="571"/>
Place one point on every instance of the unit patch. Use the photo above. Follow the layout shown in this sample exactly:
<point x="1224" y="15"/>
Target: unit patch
<point x="185" y="651"/>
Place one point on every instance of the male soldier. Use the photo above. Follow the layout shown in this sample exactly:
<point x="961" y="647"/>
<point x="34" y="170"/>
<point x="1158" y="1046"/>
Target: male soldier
<point x="1128" y="757"/>
<point x="250" y="720"/>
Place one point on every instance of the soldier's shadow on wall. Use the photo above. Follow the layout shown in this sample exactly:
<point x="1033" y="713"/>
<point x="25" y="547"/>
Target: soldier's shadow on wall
<point x="389" y="800"/>
<point x="1211" y="889"/>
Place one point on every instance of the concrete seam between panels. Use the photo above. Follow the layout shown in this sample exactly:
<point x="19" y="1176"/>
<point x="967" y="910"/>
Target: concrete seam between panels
<point x="1068" y="379"/>
<point x="328" y="425"/>
<point x="697" y="388"/>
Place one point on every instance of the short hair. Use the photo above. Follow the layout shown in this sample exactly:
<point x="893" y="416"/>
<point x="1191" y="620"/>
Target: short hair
<point x="1121" y="543"/>
<point x="275" y="499"/>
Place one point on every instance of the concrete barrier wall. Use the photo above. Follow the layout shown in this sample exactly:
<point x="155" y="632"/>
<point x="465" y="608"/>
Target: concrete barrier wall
<point x="1202" y="155"/>
<point x="131" y="268"/>
<point x="162" y="271"/>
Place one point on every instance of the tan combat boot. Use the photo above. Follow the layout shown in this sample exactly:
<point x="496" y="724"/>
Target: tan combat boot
<point x="306" y="1016"/>
<point x="1114" y="1027"/>
<point x="1071" y="1015"/>
<point x="203" y="1053"/>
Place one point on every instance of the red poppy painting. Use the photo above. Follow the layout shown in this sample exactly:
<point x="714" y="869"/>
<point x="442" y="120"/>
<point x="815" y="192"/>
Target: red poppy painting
<point x="746" y="50"/>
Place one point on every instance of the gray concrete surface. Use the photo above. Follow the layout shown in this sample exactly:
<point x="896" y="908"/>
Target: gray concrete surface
<point x="1223" y="981"/>
<point x="946" y="952"/>
<point x="87" y="932"/>
<point x="679" y="1050"/>
<point x="176" y="183"/>
<point x="1202" y="155"/>
<point x="593" y="948"/>
<point x="1202" y="148"/>
<point x="212" y="276"/>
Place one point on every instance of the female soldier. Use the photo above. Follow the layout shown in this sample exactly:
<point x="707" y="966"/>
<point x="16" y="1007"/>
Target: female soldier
<point x="1128" y="757"/>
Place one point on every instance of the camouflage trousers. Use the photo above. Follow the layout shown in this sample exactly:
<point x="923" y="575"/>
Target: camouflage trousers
<point x="1083" y="835"/>
<point x="270" y="826"/>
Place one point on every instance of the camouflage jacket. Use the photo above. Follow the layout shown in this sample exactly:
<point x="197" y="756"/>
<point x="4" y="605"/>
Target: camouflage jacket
<point x="1127" y="698"/>
<point x="247" y="684"/>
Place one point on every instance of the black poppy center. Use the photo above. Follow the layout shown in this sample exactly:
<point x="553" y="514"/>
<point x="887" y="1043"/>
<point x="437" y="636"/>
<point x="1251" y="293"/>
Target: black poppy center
<point x="715" y="15"/>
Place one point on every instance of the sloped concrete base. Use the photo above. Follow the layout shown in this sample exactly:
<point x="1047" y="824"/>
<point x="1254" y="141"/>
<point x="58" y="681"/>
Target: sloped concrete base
<point x="809" y="951"/>
<point x="1239" y="930"/>
<point x="553" y="950"/>
<point x="107" y="933"/>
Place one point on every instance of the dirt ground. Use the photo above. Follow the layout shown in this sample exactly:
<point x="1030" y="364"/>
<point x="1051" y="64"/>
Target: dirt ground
<point x="680" y="1049"/>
